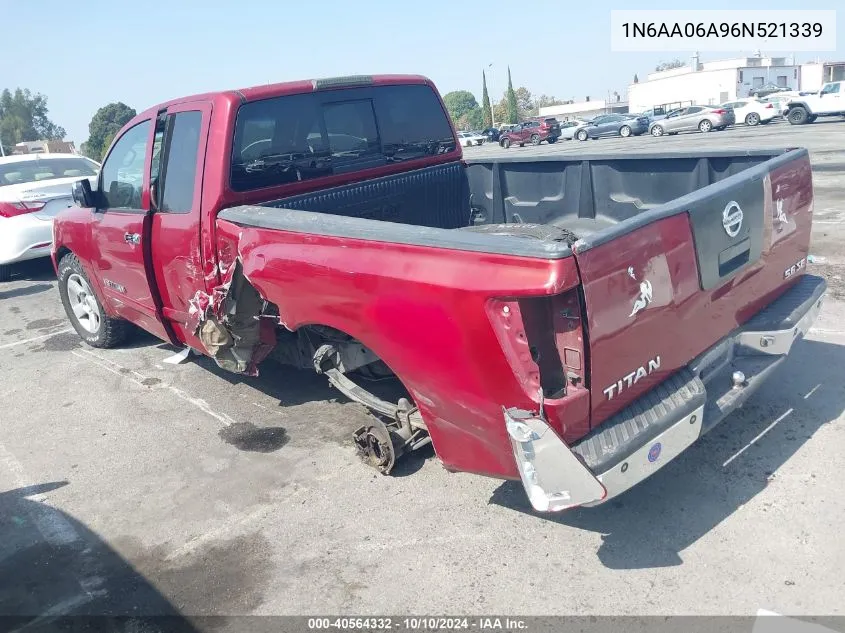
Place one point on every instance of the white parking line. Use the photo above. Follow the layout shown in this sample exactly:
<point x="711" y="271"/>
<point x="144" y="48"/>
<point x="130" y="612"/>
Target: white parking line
<point x="140" y="379"/>
<point x="35" y="338"/>
<point x="759" y="435"/>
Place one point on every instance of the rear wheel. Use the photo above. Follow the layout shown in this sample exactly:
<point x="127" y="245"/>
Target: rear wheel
<point x="657" y="130"/>
<point x="752" y="119"/>
<point x="84" y="309"/>
<point x="705" y="125"/>
<point x="582" y="135"/>
<point x="5" y="272"/>
<point x="551" y="139"/>
<point x="506" y="142"/>
<point x="625" y="131"/>
<point x="535" y="139"/>
<point x="798" y="115"/>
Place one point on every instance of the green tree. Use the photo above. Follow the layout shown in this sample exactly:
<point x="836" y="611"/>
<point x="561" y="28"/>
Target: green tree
<point x="23" y="117"/>
<point x="471" y="120"/>
<point x="512" y="105"/>
<point x="458" y="103"/>
<point x="500" y="110"/>
<point x="525" y="103"/>
<point x="486" y="110"/>
<point x="105" y="123"/>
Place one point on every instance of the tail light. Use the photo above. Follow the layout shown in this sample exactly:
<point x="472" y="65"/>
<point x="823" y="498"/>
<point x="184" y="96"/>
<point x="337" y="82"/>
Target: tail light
<point x="720" y="111"/>
<point x="769" y="105"/>
<point x="11" y="209"/>
<point x="543" y="340"/>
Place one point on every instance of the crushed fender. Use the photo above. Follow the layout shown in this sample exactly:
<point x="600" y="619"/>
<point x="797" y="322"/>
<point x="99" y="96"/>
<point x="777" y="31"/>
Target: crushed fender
<point x="231" y="323"/>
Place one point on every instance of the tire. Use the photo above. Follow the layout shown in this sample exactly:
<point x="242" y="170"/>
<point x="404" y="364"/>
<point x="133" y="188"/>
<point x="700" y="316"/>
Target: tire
<point x="522" y="144"/>
<point x="798" y="115"/>
<point x="468" y="144"/>
<point x="551" y="139"/>
<point x="657" y="130"/>
<point x="535" y="139"/>
<point x="94" y="326"/>
<point x="705" y="126"/>
<point x="752" y="119"/>
<point x="506" y="142"/>
<point x="5" y="272"/>
<point x="582" y="135"/>
<point x="625" y="131"/>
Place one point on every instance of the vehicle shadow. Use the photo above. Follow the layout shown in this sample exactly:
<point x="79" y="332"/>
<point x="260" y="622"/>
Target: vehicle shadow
<point x="40" y="269"/>
<point x="25" y="291"/>
<point x="55" y="572"/>
<point x="651" y="524"/>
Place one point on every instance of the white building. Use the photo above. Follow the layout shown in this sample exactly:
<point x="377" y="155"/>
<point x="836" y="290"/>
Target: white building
<point x="585" y="109"/>
<point x="813" y="76"/>
<point x="711" y="83"/>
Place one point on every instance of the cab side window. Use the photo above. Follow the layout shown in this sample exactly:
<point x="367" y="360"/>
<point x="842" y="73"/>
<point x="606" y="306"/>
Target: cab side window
<point x="123" y="171"/>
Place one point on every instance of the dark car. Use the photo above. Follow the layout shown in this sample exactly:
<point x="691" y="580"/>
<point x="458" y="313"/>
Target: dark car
<point x="623" y="125"/>
<point x="491" y="133"/>
<point x="768" y="89"/>
<point x="534" y="131"/>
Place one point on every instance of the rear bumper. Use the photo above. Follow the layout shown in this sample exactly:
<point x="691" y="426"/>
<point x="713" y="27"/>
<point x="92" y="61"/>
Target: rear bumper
<point x="25" y="237"/>
<point x="658" y="427"/>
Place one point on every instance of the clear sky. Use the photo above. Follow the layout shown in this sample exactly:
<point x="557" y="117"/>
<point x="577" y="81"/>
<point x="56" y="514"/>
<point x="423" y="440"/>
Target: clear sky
<point x="86" y="53"/>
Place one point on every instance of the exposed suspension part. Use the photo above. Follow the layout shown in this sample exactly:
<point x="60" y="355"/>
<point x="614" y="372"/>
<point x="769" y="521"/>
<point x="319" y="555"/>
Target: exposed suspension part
<point x="381" y="442"/>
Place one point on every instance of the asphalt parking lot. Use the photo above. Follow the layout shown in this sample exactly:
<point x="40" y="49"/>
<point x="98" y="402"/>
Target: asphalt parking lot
<point x="130" y="485"/>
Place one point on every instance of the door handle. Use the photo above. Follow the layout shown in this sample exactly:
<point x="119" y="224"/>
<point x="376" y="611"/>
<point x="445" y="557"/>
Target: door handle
<point x="132" y="238"/>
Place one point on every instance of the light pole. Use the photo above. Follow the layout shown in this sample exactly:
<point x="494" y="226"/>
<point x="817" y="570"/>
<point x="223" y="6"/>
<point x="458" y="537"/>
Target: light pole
<point x="489" y="91"/>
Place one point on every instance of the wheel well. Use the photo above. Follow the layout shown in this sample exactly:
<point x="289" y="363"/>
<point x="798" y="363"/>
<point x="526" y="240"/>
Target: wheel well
<point x="799" y="104"/>
<point x="61" y="252"/>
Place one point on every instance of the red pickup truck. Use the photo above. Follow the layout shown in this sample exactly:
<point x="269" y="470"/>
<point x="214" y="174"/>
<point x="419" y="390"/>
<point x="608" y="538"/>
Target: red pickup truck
<point x="571" y="322"/>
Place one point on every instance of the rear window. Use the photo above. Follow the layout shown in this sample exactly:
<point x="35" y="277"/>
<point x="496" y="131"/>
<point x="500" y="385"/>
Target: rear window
<point x="301" y="137"/>
<point x="46" y="169"/>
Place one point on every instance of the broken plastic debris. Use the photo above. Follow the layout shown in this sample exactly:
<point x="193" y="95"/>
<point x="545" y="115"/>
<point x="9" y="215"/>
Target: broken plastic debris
<point x="178" y="357"/>
<point x="815" y="259"/>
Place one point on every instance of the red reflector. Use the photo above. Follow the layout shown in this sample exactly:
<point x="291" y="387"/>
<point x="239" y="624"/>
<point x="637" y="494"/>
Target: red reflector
<point x="11" y="209"/>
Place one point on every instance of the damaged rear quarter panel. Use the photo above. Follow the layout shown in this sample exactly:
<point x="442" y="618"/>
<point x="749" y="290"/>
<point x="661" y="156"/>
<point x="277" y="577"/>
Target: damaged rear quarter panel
<point x="422" y="310"/>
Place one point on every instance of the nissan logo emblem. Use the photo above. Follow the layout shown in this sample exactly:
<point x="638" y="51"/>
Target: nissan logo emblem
<point x="732" y="219"/>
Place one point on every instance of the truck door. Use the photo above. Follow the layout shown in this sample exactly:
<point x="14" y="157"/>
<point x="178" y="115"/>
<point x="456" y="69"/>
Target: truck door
<point x="176" y="260"/>
<point x="120" y="225"/>
<point x="833" y="100"/>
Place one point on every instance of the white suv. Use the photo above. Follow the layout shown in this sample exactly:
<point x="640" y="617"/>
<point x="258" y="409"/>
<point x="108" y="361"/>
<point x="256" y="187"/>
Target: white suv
<point x="829" y="101"/>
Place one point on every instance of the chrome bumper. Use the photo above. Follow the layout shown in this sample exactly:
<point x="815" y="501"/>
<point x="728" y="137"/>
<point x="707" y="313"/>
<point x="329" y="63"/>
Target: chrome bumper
<point x="556" y="477"/>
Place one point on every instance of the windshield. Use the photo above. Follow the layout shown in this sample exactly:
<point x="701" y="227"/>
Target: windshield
<point x="39" y="170"/>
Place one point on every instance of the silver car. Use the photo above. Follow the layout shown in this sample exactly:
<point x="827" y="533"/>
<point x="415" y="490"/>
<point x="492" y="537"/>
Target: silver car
<point x="697" y="117"/>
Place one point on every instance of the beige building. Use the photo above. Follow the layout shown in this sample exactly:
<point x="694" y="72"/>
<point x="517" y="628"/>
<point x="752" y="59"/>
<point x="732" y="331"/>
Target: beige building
<point x="45" y="147"/>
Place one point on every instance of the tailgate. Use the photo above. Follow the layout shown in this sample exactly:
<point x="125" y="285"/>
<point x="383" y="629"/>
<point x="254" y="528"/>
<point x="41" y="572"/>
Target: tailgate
<point x="662" y="287"/>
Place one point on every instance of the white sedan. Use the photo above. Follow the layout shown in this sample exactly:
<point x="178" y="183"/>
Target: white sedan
<point x="33" y="189"/>
<point x="752" y="111"/>
<point x="468" y="139"/>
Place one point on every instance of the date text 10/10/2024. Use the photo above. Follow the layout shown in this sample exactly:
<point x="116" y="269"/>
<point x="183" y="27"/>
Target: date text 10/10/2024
<point x="417" y="624"/>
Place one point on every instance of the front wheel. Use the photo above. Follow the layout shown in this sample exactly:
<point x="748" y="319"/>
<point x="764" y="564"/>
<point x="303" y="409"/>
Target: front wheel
<point x="84" y="309"/>
<point x="798" y="115"/>
<point x="582" y="135"/>
<point x="551" y="139"/>
<point x="752" y="119"/>
<point x="705" y="125"/>
<point x="625" y="131"/>
<point x="657" y="131"/>
<point x="535" y="139"/>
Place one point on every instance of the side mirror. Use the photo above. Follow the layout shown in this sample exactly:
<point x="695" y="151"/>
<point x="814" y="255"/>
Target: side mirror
<point x="82" y="194"/>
